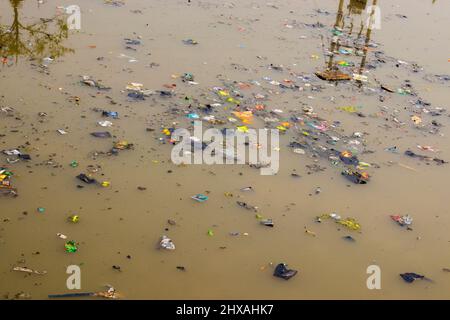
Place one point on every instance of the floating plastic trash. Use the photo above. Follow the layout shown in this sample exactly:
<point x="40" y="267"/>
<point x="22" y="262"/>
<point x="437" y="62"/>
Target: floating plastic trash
<point x="5" y="183"/>
<point x="74" y="218"/>
<point x="166" y="243"/>
<point x="411" y="154"/>
<point x="106" y="184"/>
<point x="348" y="158"/>
<point x="190" y="42"/>
<point x="281" y="271"/>
<point x="343" y="63"/>
<point x="349" y="223"/>
<point x="245" y="116"/>
<point x="243" y="129"/>
<point x="133" y="86"/>
<point x="136" y="95"/>
<point x="362" y="165"/>
<point x="356" y="177"/>
<point x="247" y="206"/>
<point x="359" y="77"/>
<point x="233" y="100"/>
<point x="28" y="270"/>
<point x="392" y="149"/>
<point x="416" y="120"/>
<point x="193" y="116"/>
<point x="122" y="145"/>
<point x="132" y="42"/>
<point x="405" y="220"/>
<point x="111" y="293"/>
<point x="200" y="197"/>
<point x="167" y="132"/>
<point x="329" y="75"/>
<point x="345" y="51"/>
<point x="71" y="246"/>
<point x="112" y="114"/>
<point x="87" y="80"/>
<point x="188" y="77"/>
<point x="105" y="123"/>
<point x="427" y="148"/>
<point x="410" y="277"/>
<point x="267" y="223"/>
<point x="223" y="93"/>
<point x="349" y="238"/>
<point x="349" y="109"/>
<point x="12" y="152"/>
<point x="83" y="177"/>
<point x="103" y="134"/>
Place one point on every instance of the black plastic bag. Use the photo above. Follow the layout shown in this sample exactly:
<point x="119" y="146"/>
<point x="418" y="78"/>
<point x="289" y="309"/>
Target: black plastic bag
<point x="86" y="179"/>
<point x="411" y="276"/>
<point x="281" y="271"/>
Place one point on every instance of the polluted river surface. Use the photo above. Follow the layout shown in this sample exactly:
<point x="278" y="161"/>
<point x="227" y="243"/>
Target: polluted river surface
<point x="346" y="96"/>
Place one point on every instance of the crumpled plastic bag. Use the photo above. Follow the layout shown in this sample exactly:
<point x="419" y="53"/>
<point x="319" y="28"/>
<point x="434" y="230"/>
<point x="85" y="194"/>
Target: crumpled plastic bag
<point x="244" y="116"/>
<point x="122" y="145"/>
<point x="349" y="109"/>
<point x="166" y="243"/>
<point x="356" y="177"/>
<point x="200" y="197"/>
<point x="405" y="220"/>
<point x="85" y="178"/>
<point x="349" y="223"/>
<point x="281" y="271"/>
<point x="348" y="158"/>
<point x="71" y="246"/>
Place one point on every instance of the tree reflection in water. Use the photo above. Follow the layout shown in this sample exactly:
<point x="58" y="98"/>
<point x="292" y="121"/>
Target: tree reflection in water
<point x="41" y="39"/>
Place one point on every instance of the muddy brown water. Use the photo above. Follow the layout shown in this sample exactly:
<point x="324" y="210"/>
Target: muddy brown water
<point x="121" y="220"/>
